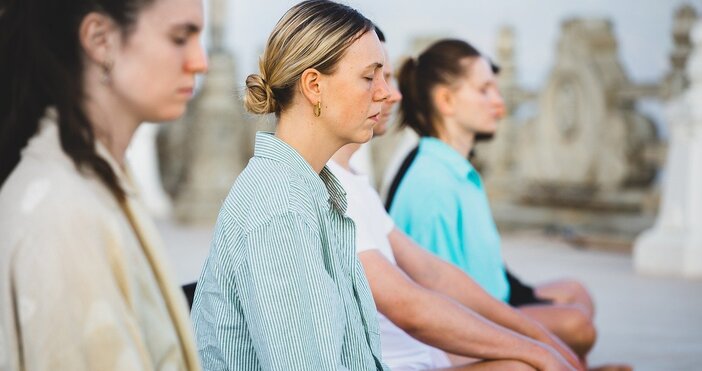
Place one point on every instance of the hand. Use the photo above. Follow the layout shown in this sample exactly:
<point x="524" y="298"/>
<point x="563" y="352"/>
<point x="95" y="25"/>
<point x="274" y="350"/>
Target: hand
<point x="564" y="350"/>
<point x="554" y="361"/>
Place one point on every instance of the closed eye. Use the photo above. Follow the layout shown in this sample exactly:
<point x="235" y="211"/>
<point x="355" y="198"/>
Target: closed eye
<point x="179" y="40"/>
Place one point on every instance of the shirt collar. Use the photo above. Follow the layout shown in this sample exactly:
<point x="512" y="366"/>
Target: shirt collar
<point x="324" y="185"/>
<point x="459" y="166"/>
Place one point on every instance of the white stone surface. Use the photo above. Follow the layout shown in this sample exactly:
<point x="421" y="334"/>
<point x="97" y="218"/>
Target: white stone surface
<point x="652" y="323"/>
<point x="674" y="245"/>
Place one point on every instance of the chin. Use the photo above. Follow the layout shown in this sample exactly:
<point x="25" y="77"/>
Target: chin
<point x="488" y="129"/>
<point x="168" y="114"/>
<point x="363" y="137"/>
<point x="380" y="130"/>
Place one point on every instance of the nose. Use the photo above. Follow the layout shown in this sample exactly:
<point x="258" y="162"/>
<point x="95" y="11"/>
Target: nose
<point x="499" y="105"/>
<point x="395" y="95"/>
<point x="196" y="59"/>
<point x="383" y="90"/>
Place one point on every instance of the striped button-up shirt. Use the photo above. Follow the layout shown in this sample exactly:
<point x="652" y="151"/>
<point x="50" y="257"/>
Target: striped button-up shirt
<point x="282" y="288"/>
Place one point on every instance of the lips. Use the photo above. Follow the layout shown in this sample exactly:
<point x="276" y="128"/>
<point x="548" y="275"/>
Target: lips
<point x="375" y="117"/>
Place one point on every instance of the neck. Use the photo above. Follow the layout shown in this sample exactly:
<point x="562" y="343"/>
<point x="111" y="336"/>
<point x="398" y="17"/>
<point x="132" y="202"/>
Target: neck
<point x="343" y="155"/>
<point x="112" y="124"/>
<point x="308" y="137"/>
<point x="459" y="139"/>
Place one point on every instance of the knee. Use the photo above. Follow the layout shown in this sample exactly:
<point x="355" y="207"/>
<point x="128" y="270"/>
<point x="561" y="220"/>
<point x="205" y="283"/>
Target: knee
<point x="577" y="293"/>
<point x="575" y="288"/>
<point x="582" y="331"/>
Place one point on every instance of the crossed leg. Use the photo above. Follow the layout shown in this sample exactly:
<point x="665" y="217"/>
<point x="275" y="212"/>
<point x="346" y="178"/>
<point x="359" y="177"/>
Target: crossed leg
<point x="570" y="317"/>
<point x="570" y="322"/>
<point x="567" y="292"/>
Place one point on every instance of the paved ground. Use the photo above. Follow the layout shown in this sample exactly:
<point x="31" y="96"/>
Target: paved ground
<point x="650" y="322"/>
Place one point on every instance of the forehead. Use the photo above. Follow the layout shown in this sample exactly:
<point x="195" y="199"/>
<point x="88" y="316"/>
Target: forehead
<point x="173" y="13"/>
<point x="364" y="52"/>
<point x="479" y="71"/>
<point x="388" y="67"/>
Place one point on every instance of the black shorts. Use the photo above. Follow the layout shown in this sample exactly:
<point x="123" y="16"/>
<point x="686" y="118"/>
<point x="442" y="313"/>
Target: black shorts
<point x="522" y="294"/>
<point x="189" y="291"/>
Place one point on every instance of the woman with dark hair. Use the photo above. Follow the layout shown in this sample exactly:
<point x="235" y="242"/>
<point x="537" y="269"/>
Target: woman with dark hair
<point x="450" y="99"/>
<point x="282" y="288"/>
<point x="83" y="280"/>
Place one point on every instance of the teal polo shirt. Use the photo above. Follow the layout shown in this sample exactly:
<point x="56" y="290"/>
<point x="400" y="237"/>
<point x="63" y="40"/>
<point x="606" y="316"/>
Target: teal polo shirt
<point x="441" y="203"/>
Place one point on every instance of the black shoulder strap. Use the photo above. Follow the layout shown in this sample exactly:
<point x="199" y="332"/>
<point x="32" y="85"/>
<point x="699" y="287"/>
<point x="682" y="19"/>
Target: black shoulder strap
<point x="406" y="163"/>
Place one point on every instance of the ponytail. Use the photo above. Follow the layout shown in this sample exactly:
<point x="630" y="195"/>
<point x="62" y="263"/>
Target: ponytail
<point x="414" y="110"/>
<point x="441" y="63"/>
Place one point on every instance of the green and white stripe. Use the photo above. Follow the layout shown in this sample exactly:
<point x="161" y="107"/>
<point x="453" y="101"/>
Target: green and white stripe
<point x="282" y="288"/>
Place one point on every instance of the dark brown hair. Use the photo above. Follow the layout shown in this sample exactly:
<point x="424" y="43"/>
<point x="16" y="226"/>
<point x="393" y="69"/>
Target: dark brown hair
<point x="42" y="66"/>
<point x="442" y="63"/>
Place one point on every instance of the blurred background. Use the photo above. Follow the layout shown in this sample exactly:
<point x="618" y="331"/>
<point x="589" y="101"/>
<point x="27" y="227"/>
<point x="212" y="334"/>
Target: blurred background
<point x="596" y="172"/>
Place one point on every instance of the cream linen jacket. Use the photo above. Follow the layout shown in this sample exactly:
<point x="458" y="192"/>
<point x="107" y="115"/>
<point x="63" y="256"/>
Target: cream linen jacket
<point x="84" y="283"/>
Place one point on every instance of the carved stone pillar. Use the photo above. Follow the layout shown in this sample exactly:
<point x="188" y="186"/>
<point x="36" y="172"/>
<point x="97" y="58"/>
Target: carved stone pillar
<point x="587" y="137"/>
<point x="676" y="81"/>
<point x="494" y="156"/>
<point x="674" y="245"/>
<point x="203" y="153"/>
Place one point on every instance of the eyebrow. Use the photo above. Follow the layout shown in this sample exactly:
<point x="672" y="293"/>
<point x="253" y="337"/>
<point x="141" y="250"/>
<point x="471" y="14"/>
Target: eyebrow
<point x="189" y="27"/>
<point x="374" y="65"/>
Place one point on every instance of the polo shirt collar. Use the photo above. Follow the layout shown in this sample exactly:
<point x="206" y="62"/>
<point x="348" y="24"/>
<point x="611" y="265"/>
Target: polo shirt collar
<point x="325" y="185"/>
<point x="459" y="166"/>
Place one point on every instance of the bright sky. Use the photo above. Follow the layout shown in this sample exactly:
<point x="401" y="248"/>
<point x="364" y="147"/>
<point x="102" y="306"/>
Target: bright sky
<point x="642" y="27"/>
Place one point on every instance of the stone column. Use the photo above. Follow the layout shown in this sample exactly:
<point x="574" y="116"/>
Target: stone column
<point x="494" y="155"/>
<point x="676" y="81"/>
<point x="674" y="245"/>
<point x="205" y="151"/>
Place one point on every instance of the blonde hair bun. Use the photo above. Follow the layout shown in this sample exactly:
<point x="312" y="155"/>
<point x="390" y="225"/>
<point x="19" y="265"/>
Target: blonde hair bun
<point x="312" y="34"/>
<point x="259" y="97"/>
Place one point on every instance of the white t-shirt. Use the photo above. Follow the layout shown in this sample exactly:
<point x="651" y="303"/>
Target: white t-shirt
<point x="373" y="224"/>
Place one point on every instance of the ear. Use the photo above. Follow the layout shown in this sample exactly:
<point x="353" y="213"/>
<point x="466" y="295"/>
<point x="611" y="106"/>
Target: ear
<point x="98" y="37"/>
<point x="310" y="85"/>
<point x="444" y="100"/>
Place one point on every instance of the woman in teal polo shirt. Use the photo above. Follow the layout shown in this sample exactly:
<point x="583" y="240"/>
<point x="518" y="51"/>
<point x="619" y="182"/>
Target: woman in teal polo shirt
<point x="450" y="96"/>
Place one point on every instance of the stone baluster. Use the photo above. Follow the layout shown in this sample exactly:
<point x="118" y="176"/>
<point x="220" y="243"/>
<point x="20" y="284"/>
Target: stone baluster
<point x="676" y="81"/>
<point x="674" y="245"/>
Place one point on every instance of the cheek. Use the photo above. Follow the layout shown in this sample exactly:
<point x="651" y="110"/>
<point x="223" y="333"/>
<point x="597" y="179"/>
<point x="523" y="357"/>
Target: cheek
<point x="158" y="62"/>
<point x="150" y="91"/>
<point x="353" y="100"/>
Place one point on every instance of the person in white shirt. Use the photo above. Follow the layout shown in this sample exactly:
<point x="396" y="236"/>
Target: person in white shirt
<point x="428" y="307"/>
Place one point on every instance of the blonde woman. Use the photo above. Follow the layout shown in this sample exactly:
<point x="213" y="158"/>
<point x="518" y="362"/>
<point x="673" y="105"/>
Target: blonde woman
<point x="282" y="288"/>
<point x="83" y="281"/>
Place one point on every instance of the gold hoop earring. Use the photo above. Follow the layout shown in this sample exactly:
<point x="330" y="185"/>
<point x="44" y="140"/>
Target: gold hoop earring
<point x="318" y="109"/>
